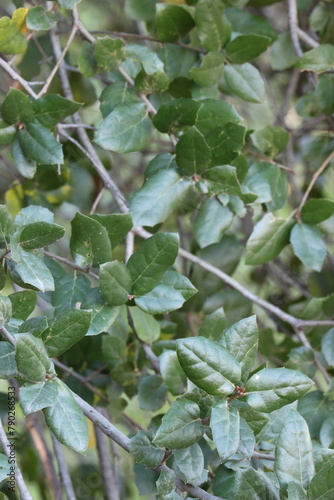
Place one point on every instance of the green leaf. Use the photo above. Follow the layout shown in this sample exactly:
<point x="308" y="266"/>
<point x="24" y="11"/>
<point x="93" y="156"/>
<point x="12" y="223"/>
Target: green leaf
<point x="270" y="235"/>
<point x="26" y="167"/>
<point x="208" y="365"/>
<point x="89" y="243"/>
<point x="270" y="140"/>
<point x="256" y="420"/>
<point x="117" y="226"/>
<point x="245" y="48"/>
<point x="109" y="53"/>
<point x="172" y="373"/>
<point x="147" y="327"/>
<point x="247" y="440"/>
<point x="38" y="144"/>
<point x="31" y="357"/>
<point x="241" y="340"/>
<point x="327" y="345"/>
<point x="268" y="181"/>
<point x="87" y="63"/>
<point x="140" y="10"/>
<point x="40" y="19"/>
<point x="174" y="115"/>
<point x="148" y="84"/>
<point x="181" y="425"/>
<point x="69" y="290"/>
<point x="308" y="245"/>
<point x="33" y="213"/>
<point x="142" y="58"/>
<point x="144" y="451"/>
<point x="148" y="264"/>
<point x="225" y="424"/>
<point x="282" y="53"/>
<point x="192" y="152"/>
<point x="152" y="393"/>
<point x="272" y="388"/>
<point x="254" y="484"/>
<point x="16" y="107"/>
<point x="296" y="492"/>
<point x="317" y="210"/>
<point x="6" y="224"/>
<point x="245" y="81"/>
<point x="23" y="303"/>
<point x="213" y="29"/>
<point x="12" y="41"/>
<point x="66" y="420"/>
<point x="224" y="179"/>
<point x="7" y="133"/>
<point x="319" y="59"/>
<point x="180" y="283"/>
<point x="224" y="143"/>
<point x="210" y="71"/>
<point x="245" y="22"/>
<point x="213" y="324"/>
<point x="327" y="433"/>
<point x="52" y="108"/>
<point x="302" y="359"/>
<point x="125" y="129"/>
<point x="189" y="464"/>
<point x="160" y="195"/>
<point x="294" y="448"/>
<point x="322" y="484"/>
<point x="162" y="299"/>
<point x="34" y="397"/>
<point x="36" y="326"/>
<point x="115" y="94"/>
<point x="103" y="316"/>
<point x="177" y="60"/>
<point x="5" y="310"/>
<point x="40" y="234"/>
<point x="212" y="220"/>
<point x="68" y="4"/>
<point x="115" y="283"/>
<point x="213" y="113"/>
<point x="8" y="368"/>
<point x="66" y="330"/>
<point x="315" y="408"/>
<point x="324" y="93"/>
<point x="173" y="22"/>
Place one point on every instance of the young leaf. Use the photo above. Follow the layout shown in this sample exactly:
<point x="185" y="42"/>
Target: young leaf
<point x="308" y="245"/>
<point x="245" y="81"/>
<point x="144" y="451"/>
<point x="148" y="264"/>
<point x="181" y="425"/>
<point x="115" y="283"/>
<point x="272" y="388"/>
<point x="294" y="448"/>
<point x="38" y="144"/>
<point x="225" y="426"/>
<point x="208" y="365"/>
<point x="34" y="397"/>
<point x="31" y="357"/>
<point x="66" y="420"/>
<point x="189" y="464"/>
<point x="268" y="238"/>
<point x="66" y="330"/>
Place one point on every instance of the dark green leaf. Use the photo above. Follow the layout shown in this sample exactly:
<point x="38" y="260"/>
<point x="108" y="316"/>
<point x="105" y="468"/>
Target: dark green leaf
<point x="152" y="392"/>
<point x="268" y="238"/>
<point x="147" y="327"/>
<point x="247" y="440"/>
<point x="208" y="365"/>
<point x="8" y="368"/>
<point x="315" y="409"/>
<point x="117" y="226"/>
<point x="319" y="59"/>
<point x="87" y="63"/>
<point x="317" y="210"/>
<point x="245" y="22"/>
<point x="66" y="330"/>
<point x="162" y="299"/>
<point x="70" y="289"/>
<point x="179" y="283"/>
<point x="270" y="140"/>
<point x="115" y="283"/>
<point x="148" y="264"/>
<point x="140" y="57"/>
<point x="160" y="195"/>
<point x="213" y="324"/>
<point x="324" y="93"/>
<point x="89" y="244"/>
<point x="189" y="464"/>
<point x="23" y="303"/>
<point x="210" y="71"/>
<point x="36" y="326"/>
<point x="327" y="347"/>
<point x="140" y="10"/>
<point x="272" y="388"/>
<point x="34" y="397"/>
<point x="192" y="152"/>
<point x="40" y="234"/>
<point x="38" y="144"/>
<point x="31" y="357"/>
<point x="66" y="420"/>
<point x="125" y="129"/>
<point x="26" y="167"/>
<point x="181" y="425"/>
<point x="256" y="420"/>
<point x="109" y="53"/>
<point x="16" y="107"/>
<point x="172" y="372"/>
<point x="211" y="222"/>
<point x="51" y="109"/>
<point x="245" y="48"/>
<point x="38" y="18"/>
<point x="174" y="115"/>
<point x="144" y="451"/>
<point x="103" y="316"/>
<point x="225" y="424"/>
<point x="224" y="179"/>
<point x="213" y="29"/>
<point x="172" y="23"/>
<point x="308" y="245"/>
<point x="302" y="358"/>
<point x="322" y="484"/>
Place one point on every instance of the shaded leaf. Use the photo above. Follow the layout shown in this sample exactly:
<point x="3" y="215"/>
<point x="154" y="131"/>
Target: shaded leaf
<point x="152" y="392"/>
<point x="115" y="283"/>
<point x="34" y="397"/>
<point x="308" y="245"/>
<point x="38" y="144"/>
<point x="245" y="81"/>
<point x="144" y="451"/>
<point x="225" y="426"/>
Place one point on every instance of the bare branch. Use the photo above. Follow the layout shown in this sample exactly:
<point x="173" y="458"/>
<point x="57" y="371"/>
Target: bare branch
<point x="307" y="38"/>
<point x="293" y="25"/>
<point x="63" y="469"/>
<point x="68" y="262"/>
<point x="17" y="77"/>
<point x="8" y="336"/>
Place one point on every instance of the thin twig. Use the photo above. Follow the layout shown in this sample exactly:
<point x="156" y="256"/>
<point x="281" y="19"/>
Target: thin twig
<point x="97" y="201"/>
<point x="293" y="25"/>
<point x="63" y="469"/>
<point x="8" y="336"/>
<point x="24" y="492"/>
<point x="17" y="77"/>
<point x="129" y="245"/>
<point x="110" y="488"/>
<point x="307" y="38"/>
<point x="270" y="160"/>
<point x="263" y="456"/>
<point x="313" y="181"/>
<point x="68" y="262"/>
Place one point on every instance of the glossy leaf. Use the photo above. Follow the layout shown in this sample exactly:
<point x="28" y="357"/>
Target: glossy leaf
<point x="66" y="420"/>
<point x="308" y="245"/>
<point x="208" y="365"/>
<point x="40" y="234"/>
<point x="160" y="195"/>
<point x="34" y="397"/>
<point x="144" y="451"/>
<point x="115" y="283"/>
<point x="38" y="144"/>
<point x="213" y="324"/>
<point x="31" y="357"/>
<point x="212" y="220"/>
<point x="181" y="425"/>
<point x="179" y="283"/>
<point x="148" y="264"/>
<point x="256" y="420"/>
<point x="162" y="299"/>
<point x="103" y="315"/>
<point x="272" y="388"/>
<point x="245" y="81"/>
<point x="245" y="48"/>
<point x="225" y="426"/>
<point x="317" y="210"/>
<point x="66" y="330"/>
<point x="117" y="226"/>
<point x="26" y="167"/>
<point x="125" y="129"/>
<point x="268" y="238"/>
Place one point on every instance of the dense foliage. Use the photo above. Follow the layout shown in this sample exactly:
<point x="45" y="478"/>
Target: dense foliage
<point x="166" y="249"/>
